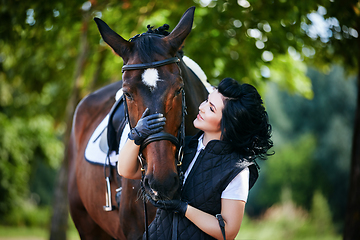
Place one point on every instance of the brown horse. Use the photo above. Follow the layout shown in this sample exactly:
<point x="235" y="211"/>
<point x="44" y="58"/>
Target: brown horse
<point x="150" y="80"/>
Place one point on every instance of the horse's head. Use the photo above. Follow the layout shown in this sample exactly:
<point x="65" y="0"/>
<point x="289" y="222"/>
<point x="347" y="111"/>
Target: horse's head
<point x="152" y="79"/>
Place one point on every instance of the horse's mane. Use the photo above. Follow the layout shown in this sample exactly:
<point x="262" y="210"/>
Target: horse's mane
<point x="146" y="42"/>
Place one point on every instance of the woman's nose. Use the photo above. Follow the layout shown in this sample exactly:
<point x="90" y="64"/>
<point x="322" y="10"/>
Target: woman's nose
<point x="201" y="107"/>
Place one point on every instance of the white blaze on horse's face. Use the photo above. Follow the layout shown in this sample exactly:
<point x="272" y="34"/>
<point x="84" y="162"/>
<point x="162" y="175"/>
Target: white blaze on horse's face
<point x="150" y="77"/>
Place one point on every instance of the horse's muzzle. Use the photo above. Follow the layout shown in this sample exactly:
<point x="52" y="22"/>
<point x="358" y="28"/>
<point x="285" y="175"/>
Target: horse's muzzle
<point x="161" y="190"/>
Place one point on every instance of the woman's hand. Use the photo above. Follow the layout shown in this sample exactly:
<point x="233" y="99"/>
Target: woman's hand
<point x="147" y="125"/>
<point x="128" y="164"/>
<point x="174" y="205"/>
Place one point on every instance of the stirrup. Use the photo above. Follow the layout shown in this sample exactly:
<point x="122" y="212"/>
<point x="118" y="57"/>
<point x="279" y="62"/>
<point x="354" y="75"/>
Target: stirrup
<point x="108" y="206"/>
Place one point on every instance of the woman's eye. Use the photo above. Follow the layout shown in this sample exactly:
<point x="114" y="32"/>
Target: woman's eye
<point x="212" y="109"/>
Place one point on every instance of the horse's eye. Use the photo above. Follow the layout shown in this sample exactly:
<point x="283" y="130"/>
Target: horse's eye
<point x="179" y="91"/>
<point x="128" y="96"/>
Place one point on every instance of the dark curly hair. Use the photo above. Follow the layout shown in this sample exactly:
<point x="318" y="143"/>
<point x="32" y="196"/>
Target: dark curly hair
<point x="245" y="124"/>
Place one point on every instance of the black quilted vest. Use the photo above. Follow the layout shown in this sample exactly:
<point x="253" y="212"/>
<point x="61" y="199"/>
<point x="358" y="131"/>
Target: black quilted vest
<point x="214" y="169"/>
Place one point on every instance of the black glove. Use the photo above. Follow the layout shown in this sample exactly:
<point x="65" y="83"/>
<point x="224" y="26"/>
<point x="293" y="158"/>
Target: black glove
<point x="171" y="205"/>
<point x="146" y="126"/>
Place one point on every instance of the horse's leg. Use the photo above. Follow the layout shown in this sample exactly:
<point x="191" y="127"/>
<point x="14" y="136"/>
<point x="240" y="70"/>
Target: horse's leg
<point x="131" y="220"/>
<point x="87" y="228"/>
<point x="92" y="194"/>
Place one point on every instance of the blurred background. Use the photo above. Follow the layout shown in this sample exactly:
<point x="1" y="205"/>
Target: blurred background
<point x="301" y="55"/>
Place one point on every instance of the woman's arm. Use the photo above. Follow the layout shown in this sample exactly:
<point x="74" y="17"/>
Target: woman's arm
<point x="232" y="212"/>
<point x="128" y="164"/>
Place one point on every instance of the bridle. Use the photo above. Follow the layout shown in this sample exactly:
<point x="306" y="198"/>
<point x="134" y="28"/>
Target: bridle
<point x="140" y="66"/>
<point x="178" y="141"/>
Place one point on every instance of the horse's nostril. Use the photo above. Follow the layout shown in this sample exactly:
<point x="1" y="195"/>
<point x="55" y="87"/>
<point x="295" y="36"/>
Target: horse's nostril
<point x="149" y="188"/>
<point x="161" y="189"/>
<point x="146" y="183"/>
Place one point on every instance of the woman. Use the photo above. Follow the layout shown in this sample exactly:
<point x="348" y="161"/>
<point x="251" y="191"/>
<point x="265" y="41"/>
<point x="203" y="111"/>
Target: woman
<point x="218" y="163"/>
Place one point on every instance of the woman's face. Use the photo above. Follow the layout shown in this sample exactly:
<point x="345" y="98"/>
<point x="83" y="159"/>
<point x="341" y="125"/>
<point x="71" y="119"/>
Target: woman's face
<point x="210" y="113"/>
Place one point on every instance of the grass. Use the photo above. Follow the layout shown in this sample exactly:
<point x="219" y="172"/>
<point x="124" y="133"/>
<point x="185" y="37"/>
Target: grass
<point x="263" y="229"/>
<point x="286" y="222"/>
<point x="33" y="233"/>
<point x="7" y="233"/>
<point x="280" y="222"/>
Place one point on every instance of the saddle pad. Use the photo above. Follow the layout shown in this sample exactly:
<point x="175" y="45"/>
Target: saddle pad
<point x="96" y="152"/>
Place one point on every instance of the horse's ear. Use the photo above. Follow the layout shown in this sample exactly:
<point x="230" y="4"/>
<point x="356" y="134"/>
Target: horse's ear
<point x="114" y="40"/>
<point x="181" y="31"/>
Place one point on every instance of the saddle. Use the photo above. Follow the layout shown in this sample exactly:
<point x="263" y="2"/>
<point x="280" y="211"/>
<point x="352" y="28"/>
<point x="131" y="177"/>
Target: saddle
<point x="103" y="145"/>
<point x="116" y="125"/>
<point x="112" y="134"/>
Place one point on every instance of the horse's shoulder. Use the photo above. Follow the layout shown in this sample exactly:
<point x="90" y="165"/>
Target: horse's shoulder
<point x="96" y="99"/>
<point x="94" y="107"/>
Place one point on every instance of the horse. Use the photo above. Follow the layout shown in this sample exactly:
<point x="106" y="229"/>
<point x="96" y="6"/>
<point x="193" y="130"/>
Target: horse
<point x="154" y="77"/>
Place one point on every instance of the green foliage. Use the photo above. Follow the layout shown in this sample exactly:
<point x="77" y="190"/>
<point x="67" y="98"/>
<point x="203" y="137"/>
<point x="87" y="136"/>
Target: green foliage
<point x="330" y="116"/>
<point x="287" y="221"/>
<point x="42" y="182"/>
<point x="28" y="214"/>
<point x="312" y="144"/>
<point x="321" y="215"/>
<point x="21" y="141"/>
<point x="285" y="67"/>
<point x="292" y="168"/>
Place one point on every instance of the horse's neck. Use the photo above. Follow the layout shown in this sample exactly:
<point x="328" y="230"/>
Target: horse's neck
<point x="197" y="70"/>
<point x="195" y="93"/>
<point x="192" y="78"/>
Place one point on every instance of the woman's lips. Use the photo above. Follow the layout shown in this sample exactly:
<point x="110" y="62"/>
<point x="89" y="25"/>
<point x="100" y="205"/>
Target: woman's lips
<point x="199" y="117"/>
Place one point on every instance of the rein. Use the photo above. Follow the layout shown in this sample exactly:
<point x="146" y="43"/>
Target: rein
<point x="178" y="141"/>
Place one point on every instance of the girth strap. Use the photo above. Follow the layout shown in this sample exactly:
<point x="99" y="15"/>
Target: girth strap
<point x="150" y="65"/>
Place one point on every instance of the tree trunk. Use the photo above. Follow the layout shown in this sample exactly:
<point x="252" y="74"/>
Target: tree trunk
<point x="60" y="207"/>
<point x="352" y="219"/>
<point x="60" y="215"/>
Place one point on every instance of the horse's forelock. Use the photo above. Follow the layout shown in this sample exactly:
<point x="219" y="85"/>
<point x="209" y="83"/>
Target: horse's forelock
<point x="148" y="47"/>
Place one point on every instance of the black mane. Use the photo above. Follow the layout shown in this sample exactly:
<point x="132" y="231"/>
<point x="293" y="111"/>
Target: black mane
<point x="147" y="43"/>
<point x="160" y="30"/>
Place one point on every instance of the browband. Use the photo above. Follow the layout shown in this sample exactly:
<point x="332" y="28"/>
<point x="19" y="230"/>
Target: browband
<point x="150" y="65"/>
